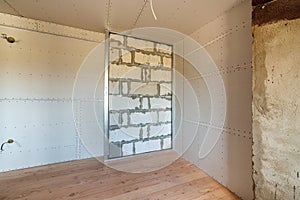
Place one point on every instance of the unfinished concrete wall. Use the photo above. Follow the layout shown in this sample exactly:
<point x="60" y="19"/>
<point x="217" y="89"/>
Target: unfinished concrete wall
<point x="140" y="96"/>
<point x="228" y="41"/>
<point x="37" y="73"/>
<point x="276" y="98"/>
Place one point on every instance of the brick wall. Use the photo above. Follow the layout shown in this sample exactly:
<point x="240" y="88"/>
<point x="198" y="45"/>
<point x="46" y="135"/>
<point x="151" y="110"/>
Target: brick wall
<point x="140" y="96"/>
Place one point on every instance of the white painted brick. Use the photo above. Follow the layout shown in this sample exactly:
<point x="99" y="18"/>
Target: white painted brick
<point x="167" y="129"/>
<point x="127" y="149"/>
<point x="114" y="118"/>
<point x="145" y="132"/>
<point x="124" y="88"/>
<point x="164" y="116"/>
<point x="116" y="40"/>
<point x="164" y="48"/>
<point x="142" y="147"/>
<point x="163" y="129"/>
<point x="156" y="130"/>
<point x="145" y="103"/>
<point x="114" y="87"/>
<point x="167" y="143"/>
<point x="160" y="103"/>
<point x="161" y="75"/>
<point x="124" y="119"/>
<point x="167" y="62"/>
<point x="145" y="59"/>
<point x="132" y="131"/>
<point x="141" y="118"/>
<point x="146" y="75"/>
<point x="123" y="71"/>
<point x="126" y="56"/>
<point x="143" y="88"/>
<point x="117" y="37"/>
<point x="147" y="146"/>
<point x="154" y="60"/>
<point x="126" y="134"/>
<point x="121" y="103"/>
<point x="141" y="58"/>
<point x="165" y="89"/>
<point x="140" y="44"/>
<point x="114" y="55"/>
<point x="154" y="145"/>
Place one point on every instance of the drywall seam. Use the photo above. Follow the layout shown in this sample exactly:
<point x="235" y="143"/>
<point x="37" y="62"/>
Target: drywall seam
<point x="49" y="28"/>
<point x="37" y="75"/>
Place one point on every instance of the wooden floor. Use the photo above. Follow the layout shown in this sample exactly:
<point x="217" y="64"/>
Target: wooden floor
<point x="89" y="179"/>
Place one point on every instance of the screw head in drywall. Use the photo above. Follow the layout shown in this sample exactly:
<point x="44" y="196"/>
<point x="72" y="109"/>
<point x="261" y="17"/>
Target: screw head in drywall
<point x="10" y="141"/>
<point x="10" y="39"/>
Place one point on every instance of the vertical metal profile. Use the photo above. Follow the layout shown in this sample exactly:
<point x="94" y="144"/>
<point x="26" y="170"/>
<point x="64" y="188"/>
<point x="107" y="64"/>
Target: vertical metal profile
<point x="173" y="122"/>
<point x="106" y="100"/>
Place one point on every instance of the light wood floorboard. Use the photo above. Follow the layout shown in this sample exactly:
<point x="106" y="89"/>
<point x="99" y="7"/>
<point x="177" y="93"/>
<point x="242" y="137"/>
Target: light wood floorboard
<point x="90" y="179"/>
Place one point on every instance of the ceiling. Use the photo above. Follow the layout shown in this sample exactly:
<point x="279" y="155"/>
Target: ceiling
<point x="185" y="16"/>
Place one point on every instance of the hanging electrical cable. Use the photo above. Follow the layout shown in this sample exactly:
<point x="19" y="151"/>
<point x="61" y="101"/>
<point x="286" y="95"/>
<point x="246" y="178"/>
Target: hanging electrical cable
<point x="10" y="141"/>
<point x="152" y="10"/>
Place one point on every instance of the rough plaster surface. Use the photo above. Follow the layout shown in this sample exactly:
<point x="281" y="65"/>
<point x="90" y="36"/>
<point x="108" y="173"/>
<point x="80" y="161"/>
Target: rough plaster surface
<point x="276" y="112"/>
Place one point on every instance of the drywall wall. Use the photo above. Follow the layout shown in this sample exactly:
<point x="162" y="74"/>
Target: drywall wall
<point x="140" y="96"/>
<point x="228" y="41"/>
<point x="276" y="116"/>
<point x="37" y="73"/>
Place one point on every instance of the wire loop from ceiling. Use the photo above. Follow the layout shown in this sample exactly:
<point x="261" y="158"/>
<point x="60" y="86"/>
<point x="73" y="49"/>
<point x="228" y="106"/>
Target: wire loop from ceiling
<point x="152" y="10"/>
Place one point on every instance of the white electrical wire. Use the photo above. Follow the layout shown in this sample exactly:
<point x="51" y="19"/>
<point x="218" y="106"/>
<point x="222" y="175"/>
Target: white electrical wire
<point x="151" y="5"/>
